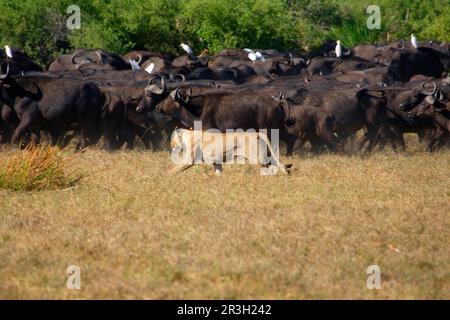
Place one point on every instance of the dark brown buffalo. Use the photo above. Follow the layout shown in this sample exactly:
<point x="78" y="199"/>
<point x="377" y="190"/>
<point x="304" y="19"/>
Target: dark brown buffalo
<point x="441" y="122"/>
<point x="341" y="102"/>
<point x="436" y="97"/>
<point x="141" y="56"/>
<point x="424" y="61"/>
<point x="52" y="105"/>
<point x="93" y="58"/>
<point x="20" y="62"/>
<point x="384" y="118"/>
<point x="227" y="110"/>
<point x="155" y="65"/>
<point x="315" y="125"/>
<point x="119" y="114"/>
<point x="380" y="54"/>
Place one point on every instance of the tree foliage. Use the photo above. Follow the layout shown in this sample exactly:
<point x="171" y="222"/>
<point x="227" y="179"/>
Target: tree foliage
<point x="39" y="27"/>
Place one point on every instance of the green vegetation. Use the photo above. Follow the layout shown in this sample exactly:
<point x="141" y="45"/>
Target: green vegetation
<point x="39" y="27"/>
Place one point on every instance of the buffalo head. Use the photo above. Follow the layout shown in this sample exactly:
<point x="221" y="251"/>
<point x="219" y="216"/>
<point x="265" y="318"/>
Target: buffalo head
<point x="153" y="94"/>
<point x="284" y="104"/>
<point x="423" y="94"/>
<point x="421" y="111"/>
<point x="175" y="107"/>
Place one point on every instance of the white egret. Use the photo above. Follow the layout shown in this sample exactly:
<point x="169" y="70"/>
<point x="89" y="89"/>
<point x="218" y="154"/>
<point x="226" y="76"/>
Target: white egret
<point x="8" y="52"/>
<point x="338" y="49"/>
<point x="134" y="65"/>
<point x="259" y="56"/>
<point x="186" y="48"/>
<point x="414" y="41"/>
<point x="252" y="56"/>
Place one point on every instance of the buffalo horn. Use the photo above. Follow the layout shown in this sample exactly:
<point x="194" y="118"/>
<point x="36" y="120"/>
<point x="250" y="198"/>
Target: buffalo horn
<point x="426" y="91"/>
<point x="4" y="76"/>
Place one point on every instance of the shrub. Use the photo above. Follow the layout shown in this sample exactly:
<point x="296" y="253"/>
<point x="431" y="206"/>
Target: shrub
<point x="38" y="27"/>
<point x="38" y="168"/>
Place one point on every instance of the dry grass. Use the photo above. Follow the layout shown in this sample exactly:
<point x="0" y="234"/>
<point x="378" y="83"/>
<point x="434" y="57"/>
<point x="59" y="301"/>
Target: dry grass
<point x="138" y="233"/>
<point x="37" y="168"/>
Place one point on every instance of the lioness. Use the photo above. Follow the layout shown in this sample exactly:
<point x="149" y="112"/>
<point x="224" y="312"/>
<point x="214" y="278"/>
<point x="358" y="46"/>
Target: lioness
<point x="216" y="147"/>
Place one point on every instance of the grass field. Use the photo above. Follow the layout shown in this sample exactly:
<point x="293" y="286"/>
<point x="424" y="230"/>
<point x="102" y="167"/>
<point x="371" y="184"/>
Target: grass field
<point x="136" y="232"/>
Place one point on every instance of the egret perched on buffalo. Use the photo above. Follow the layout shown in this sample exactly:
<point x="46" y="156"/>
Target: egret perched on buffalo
<point x="338" y="49"/>
<point x="186" y="48"/>
<point x="414" y="41"/>
<point x="8" y="52"/>
<point x="134" y="65"/>
<point x="254" y="56"/>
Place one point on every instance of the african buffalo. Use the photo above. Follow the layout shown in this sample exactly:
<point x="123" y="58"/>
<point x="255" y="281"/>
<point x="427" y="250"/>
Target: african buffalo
<point x="315" y="125"/>
<point x="227" y="110"/>
<point x="425" y="61"/>
<point x="93" y="58"/>
<point x="43" y="103"/>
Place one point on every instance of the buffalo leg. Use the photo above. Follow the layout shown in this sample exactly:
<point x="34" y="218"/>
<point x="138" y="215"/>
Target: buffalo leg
<point x="85" y="133"/>
<point x="290" y="140"/>
<point x="110" y="138"/>
<point x="24" y="125"/>
<point x="155" y="138"/>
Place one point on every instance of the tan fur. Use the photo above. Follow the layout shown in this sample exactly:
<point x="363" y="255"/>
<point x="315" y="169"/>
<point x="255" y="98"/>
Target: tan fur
<point x="240" y="147"/>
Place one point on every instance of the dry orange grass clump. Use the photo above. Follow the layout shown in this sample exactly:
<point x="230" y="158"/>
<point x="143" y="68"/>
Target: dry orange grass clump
<point x="37" y="168"/>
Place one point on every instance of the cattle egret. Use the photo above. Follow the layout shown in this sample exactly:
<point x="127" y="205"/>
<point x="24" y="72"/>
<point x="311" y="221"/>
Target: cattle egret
<point x="248" y="50"/>
<point x="134" y="65"/>
<point x="252" y="56"/>
<point x="8" y="52"/>
<point x="414" y="41"/>
<point x="259" y="56"/>
<point x="150" y="68"/>
<point x="186" y="48"/>
<point x="338" y="49"/>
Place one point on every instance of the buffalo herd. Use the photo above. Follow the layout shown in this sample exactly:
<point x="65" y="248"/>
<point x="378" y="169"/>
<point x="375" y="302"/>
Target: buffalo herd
<point x="323" y="98"/>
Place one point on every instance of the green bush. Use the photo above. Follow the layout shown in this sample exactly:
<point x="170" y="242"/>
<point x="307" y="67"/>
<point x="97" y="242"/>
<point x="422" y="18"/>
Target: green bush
<point x="38" y="27"/>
